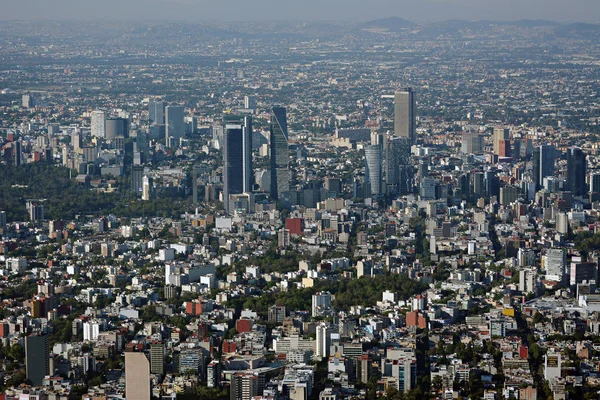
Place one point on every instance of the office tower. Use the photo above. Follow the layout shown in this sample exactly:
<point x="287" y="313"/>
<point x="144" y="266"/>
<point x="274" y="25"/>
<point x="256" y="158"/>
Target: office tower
<point x="244" y="386"/>
<point x="28" y="101"/>
<point x="583" y="271"/>
<point x="237" y="157"/>
<point x="156" y="112"/>
<point x="576" y="169"/>
<point x="249" y="102"/>
<point x="283" y="238"/>
<point x="543" y="164"/>
<point x="406" y="179"/>
<point x="555" y="261"/>
<point x="397" y="154"/>
<point x="213" y="374"/>
<point x="36" y="212"/>
<point x="3" y="220"/>
<point x="116" y="127"/>
<point x="595" y="182"/>
<point x="17" y="153"/>
<point x="276" y="314"/>
<point x="404" y="114"/>
<point x="137" y="177"/>
<point x="175" y="127"/>
<point x="98" y="124"/>
<point x="373" y="169"/>
<point x="137" y="376"/>
<point x="492" y="184"/>
<point x="146" y="188"/>
<point x="76" y="141"/>
<point x="504" y="149"/>
<point x="500" y="134"/>
<point x="157" y="358"/>
<point x="321" y="301"/>
<point x="472" y="143"/>
<point x="323" y="341"/>
<point x="280" y="174"/>
<point x="37" y="363"/>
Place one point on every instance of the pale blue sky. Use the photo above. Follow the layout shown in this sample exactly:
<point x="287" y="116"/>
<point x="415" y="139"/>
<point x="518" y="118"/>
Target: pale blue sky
<point x="356" y="10"/>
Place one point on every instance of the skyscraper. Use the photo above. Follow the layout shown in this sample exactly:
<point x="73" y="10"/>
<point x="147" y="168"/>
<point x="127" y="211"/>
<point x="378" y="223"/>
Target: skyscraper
<point x="116" y="127"/>
<point x="137" y="175"/>
<point x="237" y="157"/>
<point x="156" y="112"/>
<point x="17" y="153"/>
<point x="98" y="123"/>
<point x="576" y="169"/>
<point x="280" y="174"/>
<point x="137" y="376"/>
<point x="404" y="114"/>
<point x="175" y="127"/>
<point x="373" y="169"/>
<point x="323" y="341"/>
<point x="146" y="188"/>
<point x="397" y="154"/>
<point x="500" y="134"/>
<point x="37" y="363"/>
<point x="157" y="358"/>
<point x="543" y="163"/>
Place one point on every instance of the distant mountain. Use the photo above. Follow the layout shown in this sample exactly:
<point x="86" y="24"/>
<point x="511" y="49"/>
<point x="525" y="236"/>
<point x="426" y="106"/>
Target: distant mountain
<point x="578" y="28"/>
<point x="393" y="24"/>
<point x="533" y="23"/>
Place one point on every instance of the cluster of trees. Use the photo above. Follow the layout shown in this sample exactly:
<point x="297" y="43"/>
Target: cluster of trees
<point x="65" y="198"/>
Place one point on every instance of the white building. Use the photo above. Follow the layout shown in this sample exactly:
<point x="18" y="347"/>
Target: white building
<point x="91" y="330"/>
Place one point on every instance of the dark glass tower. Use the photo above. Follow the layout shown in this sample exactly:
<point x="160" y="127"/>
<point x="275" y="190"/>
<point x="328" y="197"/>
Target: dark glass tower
<point x="237" y="157"/>
<point x="576" y="169"/>
<point x="280" y="173"/>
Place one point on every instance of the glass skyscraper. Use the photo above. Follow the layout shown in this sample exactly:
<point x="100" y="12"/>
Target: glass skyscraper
<point x="280" y="173"/>
<point x="237" y="157"/>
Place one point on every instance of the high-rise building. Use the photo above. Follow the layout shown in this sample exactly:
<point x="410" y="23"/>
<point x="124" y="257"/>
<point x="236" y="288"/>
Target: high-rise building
<point x="137" y="376"/>
<point x="17" y="153"/>
<point x="321" y="301"/>
<point x="116" y="127"/>
<point x="175" y="126"/>
<point x="249" y="102"/>
<point x="500" y="134"/>
<point x="237" y="157"/>
<point x="323" y="341"/>
<point x="404" y="114"/>
<point x="157" y="358"/>
<point x="595" y="182"/>
<point x="397" y="154"/>
<point x="189" y="359"/>
<point x="245" y="386"/>
<point x="36" y="212"/>
<point x="37" y="363"/>
<point x="552" y="365"/>
<point x="156" y="112"/>
<point x="213" y="374"/>
<point x="554" y="262"/>
<point x="98" y="123"/>
<point x="146" y="188"/>
<point x="472" y="143"/>
<point x="373" y="169"/>
<point x="3" y="220"/>
<point x="276" y="314"/>
<point x="576" y="170"/>
<point x="28" y="101"/>
<point x="137" y="177"/>
<point x="543" y="164"/>
<point x="280" y="174"/>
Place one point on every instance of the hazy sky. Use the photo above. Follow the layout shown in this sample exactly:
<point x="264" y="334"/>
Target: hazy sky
<point x="357" y="10"/>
